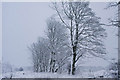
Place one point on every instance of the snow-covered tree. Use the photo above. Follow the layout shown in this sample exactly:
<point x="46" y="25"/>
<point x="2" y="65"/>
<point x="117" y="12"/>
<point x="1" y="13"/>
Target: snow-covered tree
<point x="114" y="21"/>
<point x="58" y="44"/>
<point x="85" y="30"/>
<point x="40" y="55"/>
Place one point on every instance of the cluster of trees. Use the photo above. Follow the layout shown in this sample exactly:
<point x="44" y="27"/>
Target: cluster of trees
<point x="51" y="53"/>
<point x="7" y="67"/>
<point x="74" y="32"/>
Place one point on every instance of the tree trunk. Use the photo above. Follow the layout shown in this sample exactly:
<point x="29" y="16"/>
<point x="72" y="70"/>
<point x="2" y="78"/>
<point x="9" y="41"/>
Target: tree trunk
<point x="73" y="61"/>
<point x="54" y="62"/>
<point x="75" y="50"/>
<point x="50" y="65"/>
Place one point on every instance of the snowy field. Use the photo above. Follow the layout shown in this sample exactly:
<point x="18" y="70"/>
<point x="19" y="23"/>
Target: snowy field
<point x="29" y="74"/>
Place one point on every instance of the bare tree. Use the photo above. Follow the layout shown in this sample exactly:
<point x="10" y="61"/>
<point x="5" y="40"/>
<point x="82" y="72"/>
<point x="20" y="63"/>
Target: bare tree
<point x="114" y="22"/>
<point x="40" y="55"/>
<point x="56" y="34"/>
<point x="85" y="30"/>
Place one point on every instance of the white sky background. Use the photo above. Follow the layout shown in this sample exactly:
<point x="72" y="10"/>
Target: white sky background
<point x="23" y="23"/>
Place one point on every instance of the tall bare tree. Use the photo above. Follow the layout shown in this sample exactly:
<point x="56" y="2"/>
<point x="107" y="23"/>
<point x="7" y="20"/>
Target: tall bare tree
<point x="84" y="27"/>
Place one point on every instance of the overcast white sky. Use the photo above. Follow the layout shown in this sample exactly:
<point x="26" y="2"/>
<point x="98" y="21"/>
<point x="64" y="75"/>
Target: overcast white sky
<point x="23" y="23"/>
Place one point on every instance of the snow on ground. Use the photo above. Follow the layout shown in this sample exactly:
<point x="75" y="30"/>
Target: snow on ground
<point x="29" y="74"/>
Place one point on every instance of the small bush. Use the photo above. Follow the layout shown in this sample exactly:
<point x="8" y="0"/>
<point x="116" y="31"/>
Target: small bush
<point x="20" y="69"/>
